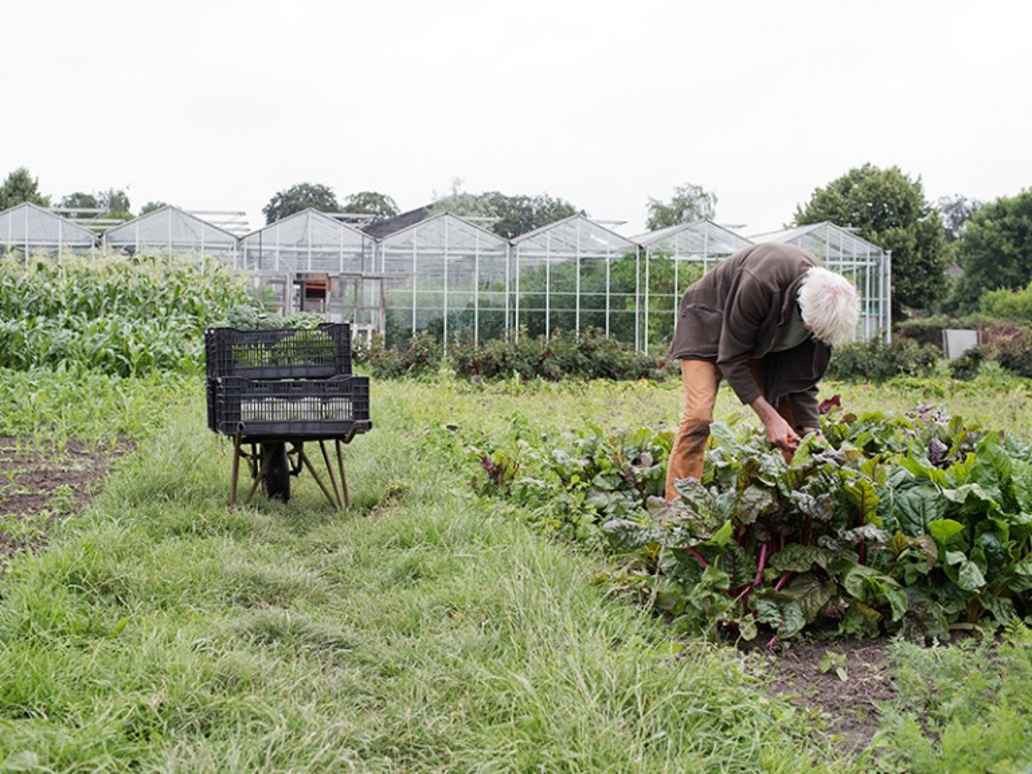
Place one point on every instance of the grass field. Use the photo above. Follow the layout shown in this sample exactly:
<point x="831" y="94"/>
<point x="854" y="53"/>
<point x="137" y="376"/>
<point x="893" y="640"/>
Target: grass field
<point x="424" y="630"/>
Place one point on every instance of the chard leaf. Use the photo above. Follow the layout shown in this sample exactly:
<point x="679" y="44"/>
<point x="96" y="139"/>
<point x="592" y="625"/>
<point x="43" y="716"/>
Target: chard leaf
<point x="944" y="529"/>
<point x="796" y="557"/>
<point x="747" y="628"/>
<point x="810" y="594"/>
<point x="792" y="620"/>
<point x="753" y="503"/>
<point x="969" y="577"/>
<point x="916" y="507"/>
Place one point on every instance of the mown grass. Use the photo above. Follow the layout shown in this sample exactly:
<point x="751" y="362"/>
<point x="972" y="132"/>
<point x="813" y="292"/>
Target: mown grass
<point x="418" y="632"/>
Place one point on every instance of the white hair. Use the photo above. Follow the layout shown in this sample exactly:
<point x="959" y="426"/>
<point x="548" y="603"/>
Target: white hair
<point x="830" y="305"/>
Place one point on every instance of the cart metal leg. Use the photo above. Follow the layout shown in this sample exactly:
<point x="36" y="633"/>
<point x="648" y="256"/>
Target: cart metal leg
<point x="236" y="472"/>
<point x="333" y="478"/>
<point x="340" y="466"/>
<point x="311" y="469"/>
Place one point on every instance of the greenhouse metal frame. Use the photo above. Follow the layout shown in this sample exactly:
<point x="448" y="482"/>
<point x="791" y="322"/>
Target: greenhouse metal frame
<point x="32" y="228"/>
<point x="864" y="263"/>
<point x="307" y="241"/>
<point x="447" y="269"/>
<point x="545" y="255"/>
<point x="700" y="243"/>
<point x="176" y="232"/>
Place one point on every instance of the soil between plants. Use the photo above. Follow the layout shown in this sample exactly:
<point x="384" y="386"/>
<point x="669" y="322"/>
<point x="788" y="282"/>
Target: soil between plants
<point x="40" y="486"/>
<point x="850" y="706"/>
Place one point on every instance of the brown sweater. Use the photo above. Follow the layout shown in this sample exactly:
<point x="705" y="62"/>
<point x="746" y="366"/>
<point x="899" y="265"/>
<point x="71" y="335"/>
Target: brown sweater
<point x="732" y="316"/>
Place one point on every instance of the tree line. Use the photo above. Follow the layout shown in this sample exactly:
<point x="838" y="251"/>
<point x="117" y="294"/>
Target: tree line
<point x="945" y="254"/>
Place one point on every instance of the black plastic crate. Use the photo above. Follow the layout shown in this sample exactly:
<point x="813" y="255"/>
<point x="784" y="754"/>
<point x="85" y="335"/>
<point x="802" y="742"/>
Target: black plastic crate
<point x="291" y="408"/>
<point x="284" y="353"/>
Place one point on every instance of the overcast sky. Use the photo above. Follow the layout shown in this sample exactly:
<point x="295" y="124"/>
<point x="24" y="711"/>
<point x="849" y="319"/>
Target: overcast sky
<point x="217" y="105"/>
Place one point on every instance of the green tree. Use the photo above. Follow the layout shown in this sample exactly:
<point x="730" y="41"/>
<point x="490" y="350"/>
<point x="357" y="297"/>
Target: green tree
<point x="20" y="186"/>
<point x="80" y="199"/>
<point x="511" y="215"/>
<point x="151" y="206"/>
<point x="689" y="203"/>
<point x="956" y="211"/>
<point x="300" y="197"/>
<point x="995" y="248"/>
<point x="380" y="206"/>
<point x="114" y="201"/>
<point x="889" y="208"/>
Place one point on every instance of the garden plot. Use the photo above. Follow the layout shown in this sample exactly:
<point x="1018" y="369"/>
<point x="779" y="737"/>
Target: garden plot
<point x="40" y="486"/>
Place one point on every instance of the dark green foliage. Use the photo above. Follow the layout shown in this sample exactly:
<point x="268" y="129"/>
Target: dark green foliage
<point x="876" y="361"/>
<point x="590" y="356"/>
<point x="419" y="356"/>
<point x="123" y="316"/>
<point x="882" y="525"/>
<point x="300" y="197"/>
<point x="1016" y="355"/>
<point x="80" y="199"/>
<point x="966" y="366"/>
<point x="20" y="186"/>
<point x="379" y="205"/>
<point x="1008" y="304"/>
<point x="996" y="247"/>
<point x="151" y="206"/>
<point x="514" y="215"/>
<point x="114" y="202"/>
<point x="890" y="210"/>
<point x="956" y="211"/>
<point x="991" y="330"/>
<point x="689" y="203"/>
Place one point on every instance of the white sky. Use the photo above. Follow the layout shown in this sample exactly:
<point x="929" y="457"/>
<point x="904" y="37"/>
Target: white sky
<point x="214" y="104"/>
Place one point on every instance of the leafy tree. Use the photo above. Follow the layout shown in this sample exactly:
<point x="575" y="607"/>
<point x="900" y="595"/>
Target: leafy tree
<point x="889" y="208"/>
<point x="956" y="211"/>
<point x="300" y="197"/>
<point x="20" y="186"/>
<point x="151" y="206"/>
<point x="996" y="247"/>
<point x="80" y="199"/>
<point x="511" y="215"/>
<point x="113" y="201"/>
<point x="689" y="203"/>
<point x="380" y="206"/>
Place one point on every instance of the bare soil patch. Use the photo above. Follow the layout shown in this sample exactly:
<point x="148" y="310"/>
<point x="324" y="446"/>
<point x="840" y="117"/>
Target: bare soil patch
<point x="850" y="705"/>
<point x="40" y="486"/>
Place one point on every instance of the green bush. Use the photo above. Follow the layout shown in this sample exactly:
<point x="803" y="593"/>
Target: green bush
<point x="1008" y="304"/>
<point x="565" y="355"/>
<point x="966" y="366"/>
<point x="875" y="361"/>
<point x="420" y="355"/>
<point x="1016" y="356"/>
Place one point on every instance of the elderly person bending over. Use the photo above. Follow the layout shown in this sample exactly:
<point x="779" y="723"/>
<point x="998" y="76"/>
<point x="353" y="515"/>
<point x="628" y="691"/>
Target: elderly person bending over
<point x="765" y="319"/>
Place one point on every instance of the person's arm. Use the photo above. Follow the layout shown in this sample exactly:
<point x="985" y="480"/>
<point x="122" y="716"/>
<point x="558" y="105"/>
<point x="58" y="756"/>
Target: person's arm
<point x="744" y="315"/>
<point x="779" y="432"/>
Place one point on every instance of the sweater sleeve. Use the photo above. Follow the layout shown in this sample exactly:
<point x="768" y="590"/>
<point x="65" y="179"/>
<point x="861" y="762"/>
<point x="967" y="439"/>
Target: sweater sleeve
<point x="744" y="314"/>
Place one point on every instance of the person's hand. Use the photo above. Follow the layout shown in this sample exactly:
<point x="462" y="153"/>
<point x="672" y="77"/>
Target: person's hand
<point x="781" y="434"/>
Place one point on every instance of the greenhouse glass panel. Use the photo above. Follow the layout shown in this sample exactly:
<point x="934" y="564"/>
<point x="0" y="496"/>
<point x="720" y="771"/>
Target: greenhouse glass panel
<point x="452" y="280"/>
<point x="576" y="274"/>
<point x="306" y="242"/>
<point x="27" y="229"/>
<point x="173" y="232"/>
<point x="675" y="257"/>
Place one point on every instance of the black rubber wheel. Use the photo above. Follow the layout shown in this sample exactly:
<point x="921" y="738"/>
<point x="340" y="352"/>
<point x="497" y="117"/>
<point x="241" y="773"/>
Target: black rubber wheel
<point x="276" y="482"/>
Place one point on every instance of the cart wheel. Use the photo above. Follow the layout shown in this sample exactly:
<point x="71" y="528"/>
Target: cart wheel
<point x="276" y="482"/>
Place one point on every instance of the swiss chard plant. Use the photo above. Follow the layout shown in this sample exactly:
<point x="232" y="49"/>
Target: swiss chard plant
<point x="880" y="524"/>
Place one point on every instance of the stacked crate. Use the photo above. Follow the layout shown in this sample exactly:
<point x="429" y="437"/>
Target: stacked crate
<point x="285" y="384"/>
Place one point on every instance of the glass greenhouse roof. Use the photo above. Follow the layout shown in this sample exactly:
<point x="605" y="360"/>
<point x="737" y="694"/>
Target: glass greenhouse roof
<point x="836" y="240"/>
<point x="29" y="224"/>
<point x="697" y="238"/>
<point x="575" y="235"/>
<point x="170" y="226"/>
<point x="444" y="232"/>
<point x="307" y="228"/>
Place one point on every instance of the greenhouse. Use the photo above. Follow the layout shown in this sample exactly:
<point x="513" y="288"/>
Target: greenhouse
<point x="673" y="258"/>
<point x="446" y="275"/>
<point x="866" y="265"/>
<point x="575" y="274"/>
<point x="172" y="231"/>
<point x="29" y="229"/>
